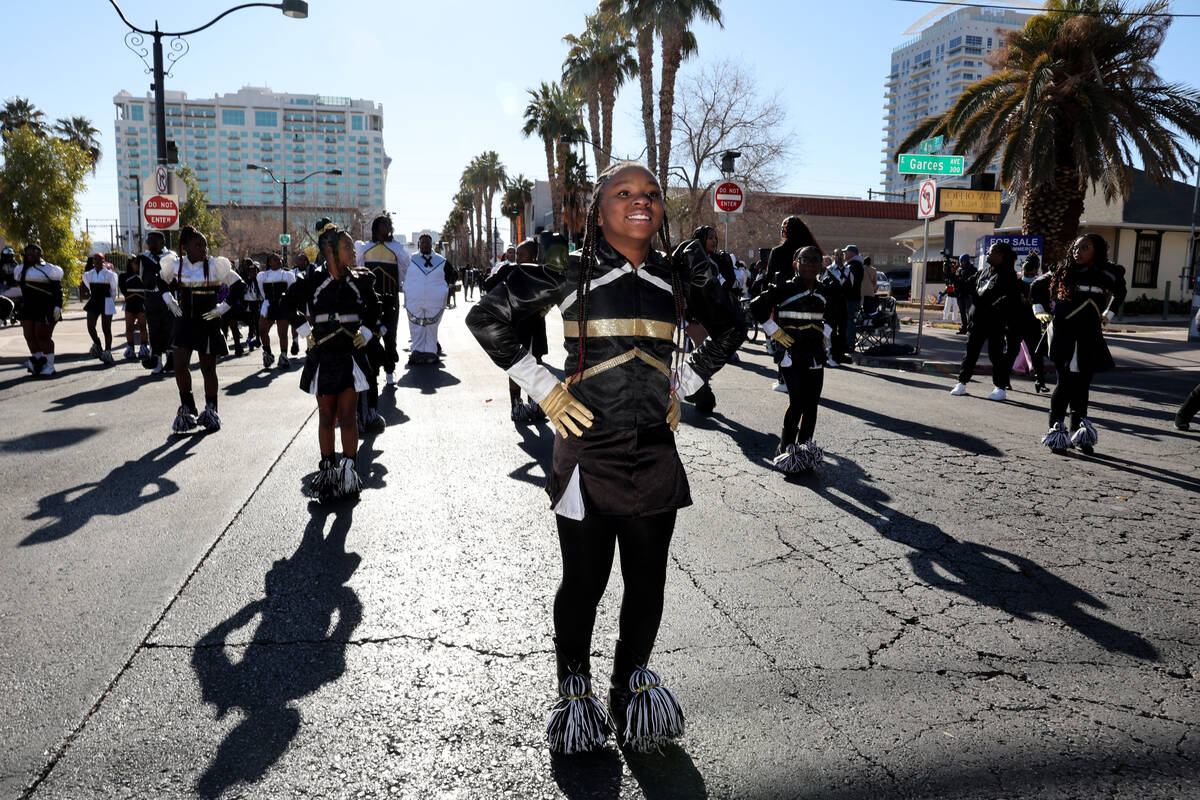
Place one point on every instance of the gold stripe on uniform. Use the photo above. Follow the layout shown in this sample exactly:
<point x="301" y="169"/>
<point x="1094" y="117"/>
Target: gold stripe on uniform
<point x="622" y="327"/>
<point x="616" y="361"/>
<point x="1088" y="302"/>
<point x="29" y="285"/>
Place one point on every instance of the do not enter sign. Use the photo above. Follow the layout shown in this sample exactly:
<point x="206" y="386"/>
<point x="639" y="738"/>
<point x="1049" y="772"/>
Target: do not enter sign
<point x="729" y="198"/>
<point x="162" y="212"/>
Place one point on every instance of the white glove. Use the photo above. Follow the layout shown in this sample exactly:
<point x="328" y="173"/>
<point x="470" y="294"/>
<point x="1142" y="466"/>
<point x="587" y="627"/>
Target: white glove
<point x="57" y="314"/>
<point x="218" y="311"/>
<point x="304" y="330"/>
<point x="366" y="334"/>
<point x="687" y="381"/>
<point x="173" y="306"/>
<point x="536" y="380"/>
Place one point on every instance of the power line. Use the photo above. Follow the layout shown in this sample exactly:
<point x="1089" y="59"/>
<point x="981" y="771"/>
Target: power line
<point x="1053" y="11"/>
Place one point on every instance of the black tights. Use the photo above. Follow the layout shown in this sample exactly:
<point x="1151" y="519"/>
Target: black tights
<point x="1071" y="390"/>
<point x="804" y="391"/>
<point x="587" y="556"/>
<point x="1001" y="361"/>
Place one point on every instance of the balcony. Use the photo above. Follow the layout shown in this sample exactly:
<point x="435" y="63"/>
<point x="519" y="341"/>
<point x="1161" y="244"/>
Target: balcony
<point x="921" y="69"/>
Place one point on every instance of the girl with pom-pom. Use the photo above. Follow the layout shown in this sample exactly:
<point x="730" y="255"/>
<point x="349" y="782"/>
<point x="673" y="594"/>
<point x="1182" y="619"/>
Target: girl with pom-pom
<point x="341" y="313"/>
<point x="616" y="478"/>
<point x="197" y="279"/>
<point x="1078" y="298"/>
<point x="793" y="313"/>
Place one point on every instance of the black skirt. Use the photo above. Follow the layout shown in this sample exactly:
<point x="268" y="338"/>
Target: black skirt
<point x="36" y="308"/>
<point x="203" y="336"/>
<point x="334" y="371"/>
<point x="627" y="472"/>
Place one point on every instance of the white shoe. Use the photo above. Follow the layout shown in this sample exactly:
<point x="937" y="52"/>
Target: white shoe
<point x="779" y="387"/>
<point x="959" y="389"/>
<point x="47" y="369"/>
<point x="998" y="394"/>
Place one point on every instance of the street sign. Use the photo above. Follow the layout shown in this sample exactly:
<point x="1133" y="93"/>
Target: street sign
<point x="162" y="183"/>
<point x="931" y="145"/>
<point x="927" y="199"/>
<point x="729" y="198"/>
<point x="150" y="184"/>
<point x="162" y="212"/>
<point x="916" y="164"/>
<point x="968" y="201"/>
<point x="285" y="239"/>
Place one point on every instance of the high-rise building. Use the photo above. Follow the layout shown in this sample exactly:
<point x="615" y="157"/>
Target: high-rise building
<point x="292" y="134"/>
<point x="929" y="73"/>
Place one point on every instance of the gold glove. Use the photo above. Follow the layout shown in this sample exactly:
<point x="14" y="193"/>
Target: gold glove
<point x="311" y="341"/>
<point x="783" y="338"/>
<point x="1103" y="321"/>
<point x="565" y="411"/>
<point x="360" y="341"/>
<point x="1043" y="317"/>
<point x="673" y="411"/>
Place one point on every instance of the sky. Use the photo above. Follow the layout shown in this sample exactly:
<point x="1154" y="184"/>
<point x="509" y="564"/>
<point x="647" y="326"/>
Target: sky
<point x="452" y="76"/>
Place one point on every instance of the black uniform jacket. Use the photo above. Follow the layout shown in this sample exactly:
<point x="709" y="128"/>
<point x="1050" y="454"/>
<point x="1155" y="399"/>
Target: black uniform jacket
<point x="801" y="313"/>
<point x="331" y="305"/>
<point x="620" y="368"/>
<point x="997" y="293"/>
<point x="1075" y="330"/>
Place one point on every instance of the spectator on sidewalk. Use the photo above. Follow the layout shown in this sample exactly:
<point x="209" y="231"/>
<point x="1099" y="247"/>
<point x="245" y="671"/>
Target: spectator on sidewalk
<point x="854" y="280"/>
<point x="964" y="289"/>
<point x="870" y="287"/>
<point x="998" y="300"/>
<point x="10" y="293"/>
<point x="833" y="288"/>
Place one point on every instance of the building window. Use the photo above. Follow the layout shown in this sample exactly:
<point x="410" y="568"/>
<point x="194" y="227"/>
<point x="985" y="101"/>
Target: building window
<point x="1145" y="263"/>
<point x="233" y="116"/>
<point x="974" y="41"/>
<point x="266" y="119"/>
<point x="137" y="113"/>
<point x="356" y="123"/>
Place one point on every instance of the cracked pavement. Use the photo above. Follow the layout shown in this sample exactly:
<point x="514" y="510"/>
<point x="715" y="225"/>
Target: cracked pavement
<point x="944" y="610"/>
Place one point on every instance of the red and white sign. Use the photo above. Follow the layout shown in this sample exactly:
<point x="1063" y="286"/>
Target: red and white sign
<point x="729" y="198"/>
<point x="162" y="212"/>
<point x="927" y="199"/>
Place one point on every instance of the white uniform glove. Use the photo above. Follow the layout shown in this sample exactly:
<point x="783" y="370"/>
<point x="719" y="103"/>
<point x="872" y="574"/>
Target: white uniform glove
<point x="172" y="306"/>
<point x="218" y="311"/>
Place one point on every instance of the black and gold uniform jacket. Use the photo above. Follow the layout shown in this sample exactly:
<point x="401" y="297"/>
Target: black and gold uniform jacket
<point x="332" y="305"/>
<point x="1075" y="335"/>
<point x="619" y="359"/>
<point x="802" y="313"/>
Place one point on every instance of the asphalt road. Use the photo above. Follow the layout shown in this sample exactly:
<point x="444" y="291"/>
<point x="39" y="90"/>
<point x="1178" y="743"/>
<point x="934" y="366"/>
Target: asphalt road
<point x="945" y="610"/>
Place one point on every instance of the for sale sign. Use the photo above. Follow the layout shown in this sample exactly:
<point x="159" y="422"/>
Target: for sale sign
<point x="729" y="198"/>
<point x="162" y="212"/>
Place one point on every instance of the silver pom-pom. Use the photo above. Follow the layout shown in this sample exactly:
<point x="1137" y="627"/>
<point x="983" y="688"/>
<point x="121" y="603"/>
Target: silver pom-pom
<point x="577" y="721"/>
<point x="208" y="419"/>
<point x="1057" y="437"/>
<point x="374" y="422"/>
<point x="185" y="420"/>
<point x="349" y="484"/>
<point x="520" y="414"/>
<point x="324" y="485"/>
<point x="534" y="413"/>
<point x="1086" y="435"/>
<point x="653" y="717"/>
<point x="809" y="455"/>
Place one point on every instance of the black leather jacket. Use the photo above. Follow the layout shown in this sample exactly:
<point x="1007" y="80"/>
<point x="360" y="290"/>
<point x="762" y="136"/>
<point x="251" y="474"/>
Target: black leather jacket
<point x="631" y="317"/>
<point x="998" y="293"/>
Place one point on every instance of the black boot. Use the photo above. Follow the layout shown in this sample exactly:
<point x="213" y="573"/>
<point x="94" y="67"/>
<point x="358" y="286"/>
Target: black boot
<point x="1191" y="405"/>
<point x="704" y="400"/>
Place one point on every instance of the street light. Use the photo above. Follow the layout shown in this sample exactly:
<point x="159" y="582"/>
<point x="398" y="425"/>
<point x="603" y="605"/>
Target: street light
<point x="296" y="9"/>
<point x="285" y="184"/>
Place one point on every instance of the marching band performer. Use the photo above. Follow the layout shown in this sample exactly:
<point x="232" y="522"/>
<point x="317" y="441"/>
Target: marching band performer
<point x="131" y="286"/>
<point x="197" y="277"/>
<point x="388" y="261"/>
<point x="425" y="290"/>
<point x="273" y="284"/>
<point x="100" y="286"/>
<point x="341" y="314"/>
<point x="793" y="313"/>
<point x="41" y="307"/>
<point x="159" y="319"/>
<point x="1078" y="298"/>
<point x="616" y="477"/>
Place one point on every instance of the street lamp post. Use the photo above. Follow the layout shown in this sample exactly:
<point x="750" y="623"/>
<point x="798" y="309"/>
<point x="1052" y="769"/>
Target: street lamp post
<point x="285" y="185"/>
<point x="137" y="185"/>
<point x="297" y="9"/>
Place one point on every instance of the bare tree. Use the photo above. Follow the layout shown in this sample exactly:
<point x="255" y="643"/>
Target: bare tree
<point x="718" y="108"/>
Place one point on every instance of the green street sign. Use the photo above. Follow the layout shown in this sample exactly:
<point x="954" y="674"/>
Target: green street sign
<point x="285" y="238"/>
<point x="931" y="145"/>
<point x="917" y="164"/>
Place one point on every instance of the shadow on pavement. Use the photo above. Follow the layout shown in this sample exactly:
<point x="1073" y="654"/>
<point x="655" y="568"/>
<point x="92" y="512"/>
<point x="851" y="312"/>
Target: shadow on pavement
<point x="755" y="445"/>
<point x="370" y="469"/>
<point x="257" y="380"/>
<point x="986" y="575"/>
<point x="292" y="653"/>
<point x="916" y="430"/>
<point x="668" y="775"/>
<point x="53" y="439"/>
<point x="391" y="413"/>
<point x="588" y="776"/>
<point x="1126" y="466"/>
<point x="103" y="394"/>
<point x="119" y="492"/>
<point x="537" y="441"/>
<point x="428" y="378"/>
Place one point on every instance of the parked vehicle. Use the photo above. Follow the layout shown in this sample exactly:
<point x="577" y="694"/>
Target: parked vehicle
<point x="901" y="281"/>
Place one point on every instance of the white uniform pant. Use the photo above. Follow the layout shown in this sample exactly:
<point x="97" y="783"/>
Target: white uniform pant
<point x="950" y="309"/>
<point x="423" y="327"/>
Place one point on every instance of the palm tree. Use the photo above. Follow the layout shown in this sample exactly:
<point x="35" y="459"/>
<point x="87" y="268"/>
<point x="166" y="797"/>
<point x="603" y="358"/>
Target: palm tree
<point x="553" y="113"/>
<point x="598" y="63"/>
<point x="515" y="205"/>
<point x="462" y="205"/>
<point x="671" y="20"/>
<point x="80" y="132"/>
<point x="471" y="183"/>
<point x="1076" y="88"/>
<point x="492" y="176"/>
<point x="19" y="112"/>
<point x="577" y="190"/>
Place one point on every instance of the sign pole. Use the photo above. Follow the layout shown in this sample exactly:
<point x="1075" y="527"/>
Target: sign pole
<point x="924" y="273"/>
<point x="727" y="250"/>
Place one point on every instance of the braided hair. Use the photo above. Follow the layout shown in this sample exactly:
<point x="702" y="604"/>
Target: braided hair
<point x="1060" y="286"/>
<point x="587" y="260"/>
<point x="376" y="224"/>
<point x="186" y="235"/>
<point x="327" y="242"/>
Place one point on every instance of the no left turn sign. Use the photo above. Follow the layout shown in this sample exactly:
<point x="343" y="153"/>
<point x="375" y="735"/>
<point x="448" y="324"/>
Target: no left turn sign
<point x="927" y="199"/>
